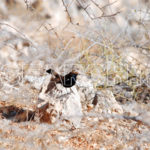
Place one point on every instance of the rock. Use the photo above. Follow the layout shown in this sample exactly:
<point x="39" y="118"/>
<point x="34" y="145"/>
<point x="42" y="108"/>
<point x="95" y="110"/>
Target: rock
<point x="70" y="103"/>
<point x="85" y="88"/>
<point x="144" y="117"/>
<point x="64" y="103"/>
<point x="107" y="104"/>
<point x="35" y="82"/>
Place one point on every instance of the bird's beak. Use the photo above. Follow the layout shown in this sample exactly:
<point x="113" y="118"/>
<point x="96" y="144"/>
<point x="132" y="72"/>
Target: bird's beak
<point x="49" y="71"/>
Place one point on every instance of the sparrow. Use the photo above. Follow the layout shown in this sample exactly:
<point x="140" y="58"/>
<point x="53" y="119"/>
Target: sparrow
<point x="67" y="81"/>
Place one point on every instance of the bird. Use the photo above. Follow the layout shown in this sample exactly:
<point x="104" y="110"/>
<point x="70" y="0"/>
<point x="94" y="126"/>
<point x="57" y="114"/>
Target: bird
<point x="67" y="80"/>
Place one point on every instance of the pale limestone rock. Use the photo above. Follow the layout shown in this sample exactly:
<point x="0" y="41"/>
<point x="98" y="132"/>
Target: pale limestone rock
<point x="36" y="82"/>
<point x="64" y="102"/>
<point x="107" y="103"/>
<point x="85" y="88"/>
<point x="70" y="103"/>
<point x="144" y="117"/>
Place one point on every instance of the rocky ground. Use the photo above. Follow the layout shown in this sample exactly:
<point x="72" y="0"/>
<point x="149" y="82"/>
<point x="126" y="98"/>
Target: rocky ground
<point x="106" y="43"/>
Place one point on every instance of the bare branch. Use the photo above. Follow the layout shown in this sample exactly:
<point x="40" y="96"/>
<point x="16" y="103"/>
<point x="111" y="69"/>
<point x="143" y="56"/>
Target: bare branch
<point x="111" y="15"/>
<point x="27" y="3"/>
<point x="66" y="10"/>
<point x="100" y="8"/>
<point x="109" y="4"/>
<point x="85" y="9"/>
